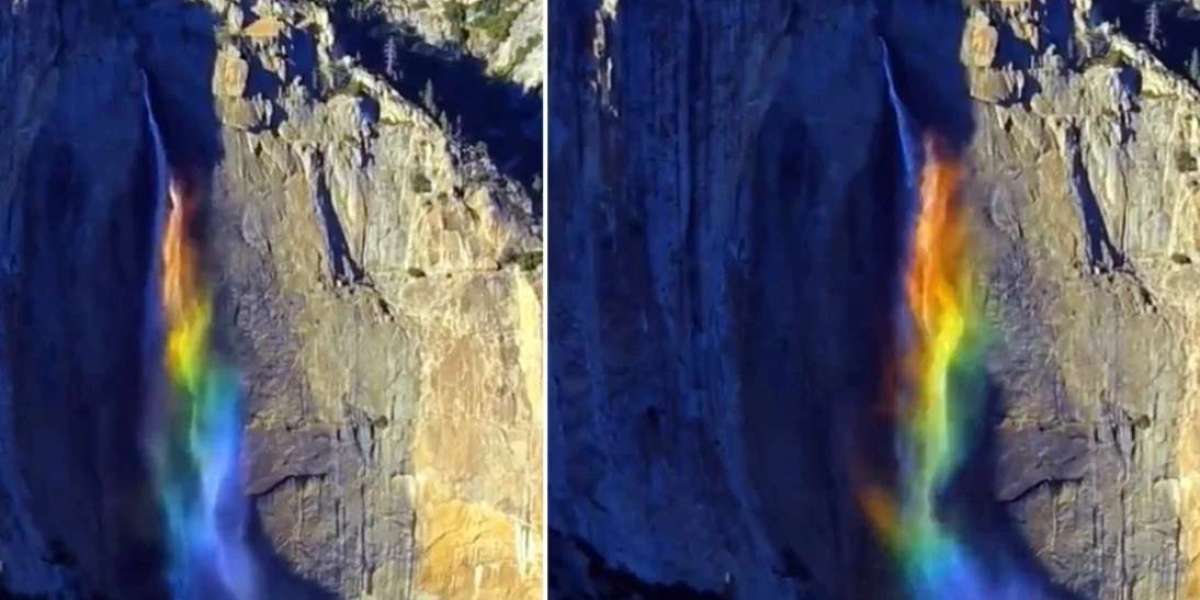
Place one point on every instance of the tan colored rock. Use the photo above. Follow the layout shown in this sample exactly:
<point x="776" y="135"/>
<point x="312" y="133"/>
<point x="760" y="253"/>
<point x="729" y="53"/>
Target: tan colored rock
<point x="979" y="41"/>
<point x="1082" y="176"/>
<point x="993" y="86"/>
<point x="393" y="344"/>
<point x="263" y="28"/>
<point x="231" y="74"/>
<point x="377" y="285"/>
<point x="1117" y="516"/>
<point x="474" y="547"/>
<point x="506" y="35"/>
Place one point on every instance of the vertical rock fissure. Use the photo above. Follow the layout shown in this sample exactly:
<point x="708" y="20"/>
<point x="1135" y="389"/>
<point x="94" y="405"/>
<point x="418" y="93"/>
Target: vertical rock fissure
<point x="343" y="270"/>
<point x="1101" y="253"/>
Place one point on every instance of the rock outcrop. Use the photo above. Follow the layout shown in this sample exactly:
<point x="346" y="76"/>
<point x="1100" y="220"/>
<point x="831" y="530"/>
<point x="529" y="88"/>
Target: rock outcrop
<point x="505" y="34"/>
<point x="379" y="282"/>
<point x="719" y="255"/>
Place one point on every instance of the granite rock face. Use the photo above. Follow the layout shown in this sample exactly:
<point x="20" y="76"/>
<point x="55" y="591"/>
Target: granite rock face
<point x="720" y="256"/>
<point x="505" y="34"/>
<point x="379" y="283"/>
<point x="1084" y="165"/>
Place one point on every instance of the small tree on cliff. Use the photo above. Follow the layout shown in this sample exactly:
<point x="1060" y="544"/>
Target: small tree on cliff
<point x="1154" y="25"/>
<point x="389" y="56"/>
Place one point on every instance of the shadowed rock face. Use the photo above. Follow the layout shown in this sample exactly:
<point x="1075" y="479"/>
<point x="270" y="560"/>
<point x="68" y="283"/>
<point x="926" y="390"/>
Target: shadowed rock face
<point x="75" y="265"/>
<point x="720" y="254"/>
<point x="451" y="86"/>
<point x="377" y="283"/>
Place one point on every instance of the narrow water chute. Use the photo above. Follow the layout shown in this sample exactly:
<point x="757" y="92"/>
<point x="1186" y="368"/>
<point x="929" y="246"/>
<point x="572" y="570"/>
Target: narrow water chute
<point x="910" y="147"/>
<point x="938" y="393"/>
<point x="193" y="426"/>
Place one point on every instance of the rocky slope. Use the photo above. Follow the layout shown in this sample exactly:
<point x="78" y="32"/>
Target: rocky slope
<point x="379" y="277"/>
<point x="722" y="243"/>
<point x="505" y="34"/>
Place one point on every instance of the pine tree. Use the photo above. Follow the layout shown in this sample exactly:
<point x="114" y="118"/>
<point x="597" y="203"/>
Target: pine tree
<point x="1153" y="25"/>
<point x="427" y="98"/>
<point x="389" y="56"/>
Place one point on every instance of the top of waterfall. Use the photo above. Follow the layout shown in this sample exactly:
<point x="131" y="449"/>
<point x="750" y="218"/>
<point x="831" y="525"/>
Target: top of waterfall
<point x="907" y="129"/>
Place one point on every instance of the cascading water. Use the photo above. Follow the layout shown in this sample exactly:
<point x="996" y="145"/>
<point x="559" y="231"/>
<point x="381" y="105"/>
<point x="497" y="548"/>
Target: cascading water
<point x="939" y="388"/>
<point x="907" y="132"/>
<point x="193" y="423"/>
<point x="152" y="328"/>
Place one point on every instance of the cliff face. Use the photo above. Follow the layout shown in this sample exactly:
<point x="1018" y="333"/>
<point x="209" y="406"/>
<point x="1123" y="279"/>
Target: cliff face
<point x="722" y="243"/>
<point x="505" y="34"/>
<point x="378" y="276"/>
<point x="1085" y="160"/>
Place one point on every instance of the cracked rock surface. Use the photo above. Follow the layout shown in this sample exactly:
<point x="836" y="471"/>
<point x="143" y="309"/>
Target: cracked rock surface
<point x="719" y="243"/>
<point x="378" y="278"/>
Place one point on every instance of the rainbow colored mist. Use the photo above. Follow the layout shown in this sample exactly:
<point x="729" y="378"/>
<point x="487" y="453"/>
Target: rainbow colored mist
<point x="935" y="382"/>
<point x="193" y="425"/>
<point x="198" y="450"/>
<point x="939" y="391"/>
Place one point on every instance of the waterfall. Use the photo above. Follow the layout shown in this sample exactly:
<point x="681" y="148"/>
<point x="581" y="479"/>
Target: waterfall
<point x="907" y="130"/>
<point x="938" y="395"/>
<point x="193" y="421"/>
<point x="152" y="332"/>
<point x="160" y="156"/>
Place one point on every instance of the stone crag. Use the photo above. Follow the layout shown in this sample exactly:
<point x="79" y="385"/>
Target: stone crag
<point x="721" y="244"/>
<point x="378" y="278"/>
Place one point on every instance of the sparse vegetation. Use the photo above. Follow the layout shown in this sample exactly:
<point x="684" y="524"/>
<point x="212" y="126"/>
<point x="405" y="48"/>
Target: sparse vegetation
<point x="1153" y="25"/>
<point x="522" y="53"/>
<point x="453" y="85"/>
<point x="1167" y="29"/>
<point x="526" y="48"/>
<point x="455" y="11"/>
<point x="341" y="82"/>
<point x="456" y="14"/>
<point x="420" y="183"/>
<point x="415" y="272"/>
<point x="493" y="19"/>
<point x="528" y="261"/>
<point x="1184" y="161"/>
<point x="1110" y="58"/>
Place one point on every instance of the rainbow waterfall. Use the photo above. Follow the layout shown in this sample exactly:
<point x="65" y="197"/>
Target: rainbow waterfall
<point x="938" y="394"/>
<point x="193" y="424"/>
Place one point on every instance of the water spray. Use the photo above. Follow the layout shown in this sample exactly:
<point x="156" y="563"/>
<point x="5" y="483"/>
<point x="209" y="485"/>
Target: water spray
<point x="194" y="422"/>
<point x="939" y="393"/>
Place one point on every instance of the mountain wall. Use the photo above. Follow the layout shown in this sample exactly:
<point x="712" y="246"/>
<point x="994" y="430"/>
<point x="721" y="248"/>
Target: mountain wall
<point x="722" y="209"/>
<point x="378" y="273"/>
